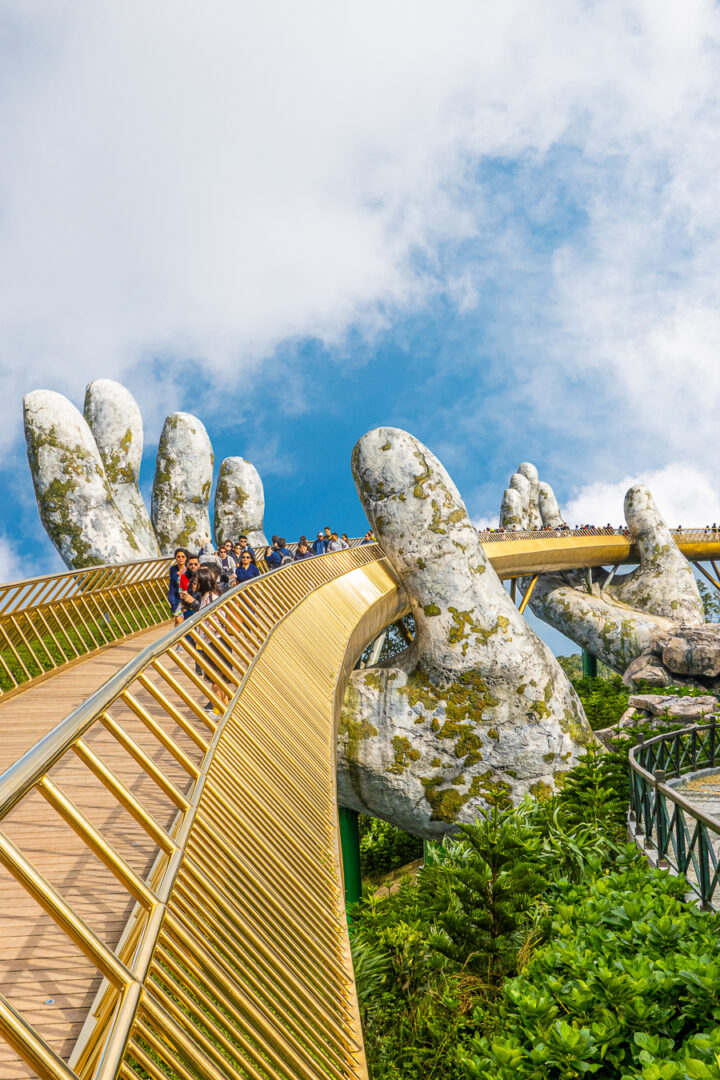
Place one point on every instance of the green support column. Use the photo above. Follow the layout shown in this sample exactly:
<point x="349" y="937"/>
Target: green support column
<point x="589" y="665"/>
<point x="350" y="844"/>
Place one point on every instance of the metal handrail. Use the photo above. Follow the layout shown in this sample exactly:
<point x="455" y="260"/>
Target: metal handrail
<point x="249" y="837"/>
<point x="49" y="622"/>
<point x="684" y="838"/>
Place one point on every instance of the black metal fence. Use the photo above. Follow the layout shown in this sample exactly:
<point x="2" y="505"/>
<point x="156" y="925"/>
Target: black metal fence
<point x="672" y="832"/>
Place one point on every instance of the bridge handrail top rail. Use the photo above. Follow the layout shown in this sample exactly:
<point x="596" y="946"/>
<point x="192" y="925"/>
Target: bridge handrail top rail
<point x="159" y="560"/>
<point x="23" y="774"/>
<point x="553" y="533"/>
<point x="156" y="559"/>
<point x="666" y="789"/>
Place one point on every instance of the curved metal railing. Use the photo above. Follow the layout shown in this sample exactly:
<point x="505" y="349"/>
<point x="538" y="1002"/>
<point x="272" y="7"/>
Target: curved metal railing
<point x="671" y="831"/>
<point x="219" y="844"/>
<point x="50" y="622"/>
<point x="47" y="623"/>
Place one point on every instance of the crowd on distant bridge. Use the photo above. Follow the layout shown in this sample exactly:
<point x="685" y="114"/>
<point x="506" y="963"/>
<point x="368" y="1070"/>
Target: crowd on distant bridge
<point x="512" y="531"/>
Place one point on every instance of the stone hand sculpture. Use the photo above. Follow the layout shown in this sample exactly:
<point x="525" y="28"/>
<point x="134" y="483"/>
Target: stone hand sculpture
<point x="85" y="472"/>
<point x="477" y="707"/>
<point x="647" y="624"/>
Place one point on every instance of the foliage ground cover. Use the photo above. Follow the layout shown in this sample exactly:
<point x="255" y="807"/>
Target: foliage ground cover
<point x="539" y="944"/>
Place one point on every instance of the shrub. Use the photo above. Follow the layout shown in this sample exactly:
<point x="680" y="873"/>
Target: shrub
<point x="383" y="847"/>
<point x="629" y="980"/>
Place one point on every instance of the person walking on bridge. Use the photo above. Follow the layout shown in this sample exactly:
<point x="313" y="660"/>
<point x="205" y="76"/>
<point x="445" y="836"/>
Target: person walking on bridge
<point x="177" y="570"/>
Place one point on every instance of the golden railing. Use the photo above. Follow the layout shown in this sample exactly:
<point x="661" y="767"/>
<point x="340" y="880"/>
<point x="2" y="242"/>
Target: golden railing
<point x="219" y="840"/>
<point x="52" y="621"/>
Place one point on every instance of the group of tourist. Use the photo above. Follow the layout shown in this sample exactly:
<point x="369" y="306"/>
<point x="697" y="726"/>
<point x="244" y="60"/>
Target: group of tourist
<point x="211" y="571"/>
<point x="557" y="530"/>
<point x="198" y="578"/>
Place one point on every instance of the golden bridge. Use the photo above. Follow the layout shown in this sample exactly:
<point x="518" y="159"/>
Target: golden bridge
<point x="172" y="895"/>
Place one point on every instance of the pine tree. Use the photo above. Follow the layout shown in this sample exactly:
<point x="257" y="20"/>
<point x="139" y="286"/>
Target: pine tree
<point x="492" y="891"/>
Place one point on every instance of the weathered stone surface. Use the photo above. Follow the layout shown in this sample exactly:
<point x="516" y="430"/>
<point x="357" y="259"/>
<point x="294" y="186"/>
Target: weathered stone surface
<point x="74" y="498"/>
<point x="647" y="668"/>
<point x="618" y="621"/>
<point x="183" y="478"/>
<point x="692" y="709"/>
<point x="548" y="505"/>
<point x="528" y="470"/>
<point x="239" y="503"/>
<point x="477" y="704"/>
<point x="664" y="583"/>
<point x="115" y="421"/>
<point x="694" y="651"/>
<point x="512" y="509"/>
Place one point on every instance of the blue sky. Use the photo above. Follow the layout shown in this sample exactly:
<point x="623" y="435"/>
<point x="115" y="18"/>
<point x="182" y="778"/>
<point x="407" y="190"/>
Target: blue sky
<point x="498" y="229"/>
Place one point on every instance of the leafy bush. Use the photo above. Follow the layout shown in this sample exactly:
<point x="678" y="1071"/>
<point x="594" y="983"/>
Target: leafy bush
<point x="383" y="847"/>
<point x="539" y="944"/>
<point x="630" y="980"/>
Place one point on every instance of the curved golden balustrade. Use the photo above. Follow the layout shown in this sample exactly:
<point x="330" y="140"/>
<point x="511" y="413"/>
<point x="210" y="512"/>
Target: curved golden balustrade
<point x="520" y="554"/>
<point x="50" y="622"/>
<point x="226" y="953"/>
<point x="217" y="838"/>
<point x="53" y="621"/>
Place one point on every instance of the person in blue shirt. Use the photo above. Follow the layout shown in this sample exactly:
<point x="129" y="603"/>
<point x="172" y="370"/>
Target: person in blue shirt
<point x="319" y="545"/>
<point x="247" y="568"/>
<point x="278" y="554"/>
<point x="302" y="552"/>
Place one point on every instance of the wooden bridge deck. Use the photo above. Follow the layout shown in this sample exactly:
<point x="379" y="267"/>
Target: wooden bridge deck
<point x="43" y="974"/>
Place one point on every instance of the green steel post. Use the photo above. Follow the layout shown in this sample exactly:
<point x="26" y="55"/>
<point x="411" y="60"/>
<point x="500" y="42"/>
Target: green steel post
<point x="350" y="843"/>
<point x="589" y="665"/>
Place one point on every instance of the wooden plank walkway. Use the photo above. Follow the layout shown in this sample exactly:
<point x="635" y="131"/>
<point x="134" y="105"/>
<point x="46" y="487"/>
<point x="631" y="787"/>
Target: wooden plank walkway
<point x="42" y="973"/>
<point x="26" y="717"/>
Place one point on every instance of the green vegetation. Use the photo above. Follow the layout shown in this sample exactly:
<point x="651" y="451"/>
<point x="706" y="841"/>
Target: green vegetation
<point x="539" y="944"/>
<point x="606" y="697"/>
<point x="573" y="667"/>
<point x="711" y="601"/>
<point x="384" y="848"/>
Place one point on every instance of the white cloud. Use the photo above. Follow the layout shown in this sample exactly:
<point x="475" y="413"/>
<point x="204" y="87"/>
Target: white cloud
<point x="684" y="495"/>
<point x="208" y="183"/>
<point x="14" y="566"/>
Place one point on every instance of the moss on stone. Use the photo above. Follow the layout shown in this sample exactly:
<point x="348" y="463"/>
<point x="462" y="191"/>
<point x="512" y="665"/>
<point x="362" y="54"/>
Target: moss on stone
<point x="445" y="803"/>
<point x="405" y="753"/>
<point x="540" y="790"/>
<point x="431" y="609"/>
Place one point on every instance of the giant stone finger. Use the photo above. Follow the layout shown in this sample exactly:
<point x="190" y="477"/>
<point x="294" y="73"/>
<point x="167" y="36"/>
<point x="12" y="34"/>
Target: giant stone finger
<point x="74" y="498"/>
<point x="477" y="706"/>
<point x="239" y="503"/>
<point x="115" y="421"/>
<point x="181" y="489"/>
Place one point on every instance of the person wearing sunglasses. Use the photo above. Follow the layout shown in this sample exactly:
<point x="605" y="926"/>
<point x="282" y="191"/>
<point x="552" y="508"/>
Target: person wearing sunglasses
<point x="247" y="568"/>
